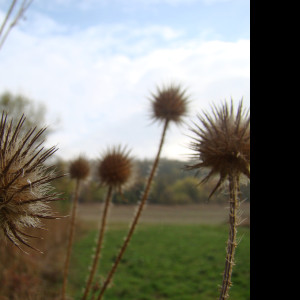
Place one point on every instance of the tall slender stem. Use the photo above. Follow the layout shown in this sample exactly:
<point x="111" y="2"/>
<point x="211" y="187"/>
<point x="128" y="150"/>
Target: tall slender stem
<point x="71" y="236"/>
<point x="7" y="15"/>
<point x="231" y="244"/>
<point x="137" y="216"/>
<point x="19" y="14"/>
<point x="99" y="244"/>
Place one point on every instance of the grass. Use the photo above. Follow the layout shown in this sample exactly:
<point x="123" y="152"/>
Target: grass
<point x="165" y="261"/>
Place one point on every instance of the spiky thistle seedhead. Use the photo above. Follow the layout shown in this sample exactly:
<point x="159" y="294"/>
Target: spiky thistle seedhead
<point x="222" y="143"/>
<point x="116" y="168"/>
<point x="79" y="168"/>
<point x="169" y="104"/>
<point x="25" y="186"/>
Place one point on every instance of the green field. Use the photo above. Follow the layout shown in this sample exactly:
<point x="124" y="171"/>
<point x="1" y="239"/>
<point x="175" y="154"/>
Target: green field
<point x="165" y="261"/>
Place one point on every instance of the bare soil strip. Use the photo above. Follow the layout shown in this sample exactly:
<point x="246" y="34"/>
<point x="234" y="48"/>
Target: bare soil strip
<point x="165" y="214"/>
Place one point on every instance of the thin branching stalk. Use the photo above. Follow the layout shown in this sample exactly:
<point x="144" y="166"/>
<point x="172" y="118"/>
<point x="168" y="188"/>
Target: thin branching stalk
<point x="11" y="7"/>
<point x="99" y="244"/>
<point x="24" y="6"/>
<point x="71" y="237"/>
<point x="231" y="244"/>
<point x="138" y="214"/>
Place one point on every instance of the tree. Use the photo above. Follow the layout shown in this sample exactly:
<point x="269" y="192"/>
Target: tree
<point x="17" y="105"/>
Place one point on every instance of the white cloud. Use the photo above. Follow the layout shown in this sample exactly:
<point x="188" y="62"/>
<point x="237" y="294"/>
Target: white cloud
<point x="97" y="81"/>
<point x="40" y="25"/>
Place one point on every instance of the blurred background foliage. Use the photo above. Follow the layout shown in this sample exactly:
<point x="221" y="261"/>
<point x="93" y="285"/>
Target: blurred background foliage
<point x="16" y="105"/>
<point x="172" y="185"/>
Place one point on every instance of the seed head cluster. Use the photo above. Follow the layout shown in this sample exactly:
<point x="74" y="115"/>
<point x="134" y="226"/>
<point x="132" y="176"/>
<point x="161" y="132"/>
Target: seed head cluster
<point x="25" y="186"/>
<point x="79" y="168"/>
<point x="222" y="143"/>
<point x="169" y="103"/>
<point x="115" y="168"/>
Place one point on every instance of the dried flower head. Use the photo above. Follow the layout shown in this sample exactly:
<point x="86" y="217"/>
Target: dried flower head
<point x="115" y="168"/>
<point x="169" y="103"/>
<point x="222" y="144"/>
<point x="79" y="168"/>
<point x="24" y="181"/>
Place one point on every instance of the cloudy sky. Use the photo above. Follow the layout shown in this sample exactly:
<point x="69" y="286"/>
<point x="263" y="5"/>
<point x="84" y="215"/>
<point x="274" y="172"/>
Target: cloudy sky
<point x="94" y="64"/>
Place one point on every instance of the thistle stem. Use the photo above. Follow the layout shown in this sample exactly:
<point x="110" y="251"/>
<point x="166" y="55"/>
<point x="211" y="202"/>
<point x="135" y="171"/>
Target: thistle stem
<point x="99" y="244"/>
<point x="231" y="244"/>
<point x="137" y="216"/>
<point x="71" y="236"/>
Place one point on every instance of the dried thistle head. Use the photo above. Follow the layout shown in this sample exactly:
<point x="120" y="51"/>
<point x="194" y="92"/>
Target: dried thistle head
<point x="25" y="186"/>
<point x="79" y="168"/>
<point x="222" y="143"/>
<point x="169" y="104"/>
<point x="116" y="168"/>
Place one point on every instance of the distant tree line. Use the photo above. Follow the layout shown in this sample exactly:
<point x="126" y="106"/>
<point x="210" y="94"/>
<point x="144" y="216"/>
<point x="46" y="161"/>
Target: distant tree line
<point x="172" y="185"/>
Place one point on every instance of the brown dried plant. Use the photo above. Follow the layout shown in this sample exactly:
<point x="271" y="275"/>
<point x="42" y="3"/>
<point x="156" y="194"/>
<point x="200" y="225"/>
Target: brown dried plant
<point x="79" y="170"/>
<point x="168" y="104"/>
<point x="25" y="189"/>
<point x="115" y="171"/>
<point x="222" y="145"/>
